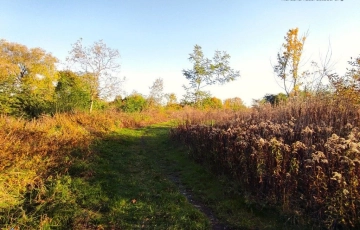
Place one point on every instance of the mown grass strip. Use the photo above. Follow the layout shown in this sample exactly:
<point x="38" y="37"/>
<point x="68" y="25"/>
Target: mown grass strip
<point x="126" y="190"/>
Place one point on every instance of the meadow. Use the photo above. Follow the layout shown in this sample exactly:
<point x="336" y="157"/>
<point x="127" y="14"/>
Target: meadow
<point x="291" y="166"/>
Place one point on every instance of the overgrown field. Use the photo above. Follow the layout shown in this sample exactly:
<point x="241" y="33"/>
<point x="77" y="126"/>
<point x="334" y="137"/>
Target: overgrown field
<point x="36" y="156"/>
<point x="82" y="170"/>
<point x="302" y="157"/>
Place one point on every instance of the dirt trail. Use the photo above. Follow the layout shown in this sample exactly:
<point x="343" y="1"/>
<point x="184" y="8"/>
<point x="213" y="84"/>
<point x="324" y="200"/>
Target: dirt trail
<point x="216" y="225"/>
<point x="175" y="178"/>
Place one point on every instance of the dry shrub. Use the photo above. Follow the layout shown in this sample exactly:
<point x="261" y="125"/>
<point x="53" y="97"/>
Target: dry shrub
<point x="303" y="156"/>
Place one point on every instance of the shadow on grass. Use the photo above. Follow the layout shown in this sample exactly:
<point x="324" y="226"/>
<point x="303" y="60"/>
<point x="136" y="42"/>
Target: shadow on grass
<point x="122" y="188"/>
<point x="133" y="180"/>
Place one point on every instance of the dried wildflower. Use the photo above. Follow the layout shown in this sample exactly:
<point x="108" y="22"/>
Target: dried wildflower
<point x="292" y="124"/>
<point x="336" y="176"/>
<point x="308" y="161"/>
<point x="297" y="146"/>
<point x="324" y="161"/>
<point x="318" y="155"/>
<point x="348" y="126"/>
<point x="261" y="142"/>
<point x="307" y="131"/>
<point x="345" y="160"/>
<point x="354" y="147"/>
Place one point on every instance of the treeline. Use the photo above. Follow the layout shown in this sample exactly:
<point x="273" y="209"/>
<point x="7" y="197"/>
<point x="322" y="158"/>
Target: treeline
<point x="31" y="84"/>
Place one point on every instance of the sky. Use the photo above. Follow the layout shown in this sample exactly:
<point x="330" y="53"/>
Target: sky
<point x="155" y="37"/>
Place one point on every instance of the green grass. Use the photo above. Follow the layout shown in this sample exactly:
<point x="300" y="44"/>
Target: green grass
<point x="127" y="182"/>
<point x="127" y="190"/>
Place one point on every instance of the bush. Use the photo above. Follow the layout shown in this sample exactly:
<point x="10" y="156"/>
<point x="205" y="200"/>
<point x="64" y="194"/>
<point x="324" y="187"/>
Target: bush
<point x="133" y="103"/>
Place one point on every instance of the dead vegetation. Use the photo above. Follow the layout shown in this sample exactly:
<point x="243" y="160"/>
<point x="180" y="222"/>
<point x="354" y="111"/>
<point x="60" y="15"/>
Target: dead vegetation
<point x="302" y="157"/>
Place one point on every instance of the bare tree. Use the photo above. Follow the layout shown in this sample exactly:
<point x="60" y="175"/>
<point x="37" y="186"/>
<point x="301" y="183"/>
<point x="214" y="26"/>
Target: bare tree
<point x="156" y="93"/>
<point x="320" y="72"/>
<point x="99" y="65"/>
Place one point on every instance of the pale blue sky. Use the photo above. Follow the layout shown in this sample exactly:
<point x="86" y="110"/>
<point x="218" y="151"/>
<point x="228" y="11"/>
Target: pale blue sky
<point x="155" y="38"/>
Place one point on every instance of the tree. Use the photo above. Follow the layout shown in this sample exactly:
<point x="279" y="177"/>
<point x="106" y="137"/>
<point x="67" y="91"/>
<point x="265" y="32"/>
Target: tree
<point x="234" y="104"/>
<point x="287" y="68"/>
<point x="28" y="77"/>
<point x="212" y="103"/>
<point x="275" y="99"/>
<point x="156" y="93"/>
<point x="99" y="64"/>
<point x="319" y="71"/>
<point x="133" y="103"/>
<point x="72" y="92"/>
<point x="207" y="72"/>
<point x="8" y="71"/>
<point x="348" y="86"/>
<point x="171" y="98"/>
<point x="171" y="101"/>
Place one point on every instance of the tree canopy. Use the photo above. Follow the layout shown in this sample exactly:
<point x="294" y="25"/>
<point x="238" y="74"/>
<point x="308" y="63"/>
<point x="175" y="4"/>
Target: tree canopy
<point x="100" y="64"/>
<point x="287" y="68"/>
<point x="207" y="72"/>
<point x="156" y="93"/>
<point x="27" y="79"/>
<point x="234" y="104"/>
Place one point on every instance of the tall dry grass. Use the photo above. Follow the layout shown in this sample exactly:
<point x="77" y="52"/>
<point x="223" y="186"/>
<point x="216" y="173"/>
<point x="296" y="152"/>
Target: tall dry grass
<point x="303" y="156"/>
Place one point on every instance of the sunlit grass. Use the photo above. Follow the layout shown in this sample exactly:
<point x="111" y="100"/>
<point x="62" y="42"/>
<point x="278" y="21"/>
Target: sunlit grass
<point x="81" y="171"/>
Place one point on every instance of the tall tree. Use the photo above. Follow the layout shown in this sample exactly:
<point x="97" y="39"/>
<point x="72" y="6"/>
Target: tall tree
<point x="8" y="71"/>
<point x="287" y="68"/>
<point x="156" y="93"/>
<point x="28" y="78"/>
<point x="207" y="72"/>
<point x="99" y="64"/>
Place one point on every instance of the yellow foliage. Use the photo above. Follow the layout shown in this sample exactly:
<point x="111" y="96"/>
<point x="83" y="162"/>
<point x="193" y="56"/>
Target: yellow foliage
<point x="288" y="62"/>
<point x="34" y="68"/>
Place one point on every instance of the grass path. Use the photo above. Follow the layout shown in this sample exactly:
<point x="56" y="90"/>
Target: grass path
<point x="155" y="142"/>
<point x="140" y="179"/>
<point x="135" y="192"/>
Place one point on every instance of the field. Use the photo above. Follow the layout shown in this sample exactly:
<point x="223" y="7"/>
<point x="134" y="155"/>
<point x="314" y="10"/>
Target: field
<point x="302" y="158"/>
<point x="293" y="166"/>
